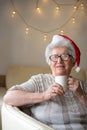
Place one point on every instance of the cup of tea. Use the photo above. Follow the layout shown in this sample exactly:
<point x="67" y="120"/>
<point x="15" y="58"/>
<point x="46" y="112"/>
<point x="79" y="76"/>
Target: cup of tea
<point x="62" y="80"/>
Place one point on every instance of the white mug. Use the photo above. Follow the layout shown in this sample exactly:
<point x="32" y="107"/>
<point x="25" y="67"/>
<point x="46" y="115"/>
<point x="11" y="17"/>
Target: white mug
<point x="62" y="80"/>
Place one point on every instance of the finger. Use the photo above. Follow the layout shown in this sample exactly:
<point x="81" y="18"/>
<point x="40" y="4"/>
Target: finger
<point x="58" y="91"/>
<point x="71" y="81"/>
<point x="59" y="86"/>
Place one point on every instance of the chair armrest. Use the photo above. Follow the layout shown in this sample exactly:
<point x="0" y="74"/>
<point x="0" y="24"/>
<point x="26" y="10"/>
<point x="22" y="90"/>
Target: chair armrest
<point x="14" y="119"/>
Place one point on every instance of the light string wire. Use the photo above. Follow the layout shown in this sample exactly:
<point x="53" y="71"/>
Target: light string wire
<point x="37" y="2"/>
<point x="77" y="4"/>
<point x="23" y="19"/>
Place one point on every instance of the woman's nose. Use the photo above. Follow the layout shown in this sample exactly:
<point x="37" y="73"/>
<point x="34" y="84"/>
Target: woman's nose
<point x="59" y="59"/>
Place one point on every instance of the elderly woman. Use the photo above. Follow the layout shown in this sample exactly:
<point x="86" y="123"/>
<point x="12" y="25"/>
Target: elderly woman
<point x="46" y="99"/>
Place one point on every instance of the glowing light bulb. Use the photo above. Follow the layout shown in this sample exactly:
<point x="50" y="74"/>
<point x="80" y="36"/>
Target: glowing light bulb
<point x="74" y="8"/>
<point x="73" y="19"/>
<point x="27" y="30"/>
<point x="57" y="9"/>
<point x="38" y="10"/>
<point x="45" y="37"/>
<point x="62" y="32"/>
<point x="13" y="14"/>
<point x="82" y="6"/>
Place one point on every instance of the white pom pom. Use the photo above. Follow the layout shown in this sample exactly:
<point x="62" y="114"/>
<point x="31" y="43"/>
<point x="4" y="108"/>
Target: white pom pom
<point x="56" y="38"/>
<point x="77" y="69"/>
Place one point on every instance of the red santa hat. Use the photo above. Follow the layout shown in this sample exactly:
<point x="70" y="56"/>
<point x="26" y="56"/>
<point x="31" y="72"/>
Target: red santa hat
<point x="77" y="50"/>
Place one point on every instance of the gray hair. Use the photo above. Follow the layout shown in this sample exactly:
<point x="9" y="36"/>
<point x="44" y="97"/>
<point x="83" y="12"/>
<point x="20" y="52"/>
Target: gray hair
<point x="62" y="42"/>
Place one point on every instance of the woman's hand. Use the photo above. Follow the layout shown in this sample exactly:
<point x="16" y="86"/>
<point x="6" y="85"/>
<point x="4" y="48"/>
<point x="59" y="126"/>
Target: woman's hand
<point x="74" y="86"/>
<point x="53" y="90"/>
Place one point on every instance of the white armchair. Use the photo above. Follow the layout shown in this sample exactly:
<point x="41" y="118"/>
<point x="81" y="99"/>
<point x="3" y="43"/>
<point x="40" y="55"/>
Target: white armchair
<point x="14" y="119"/>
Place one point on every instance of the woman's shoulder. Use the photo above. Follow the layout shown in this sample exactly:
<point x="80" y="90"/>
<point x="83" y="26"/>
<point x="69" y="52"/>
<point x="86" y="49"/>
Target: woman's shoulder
<point x="44" y="75"/>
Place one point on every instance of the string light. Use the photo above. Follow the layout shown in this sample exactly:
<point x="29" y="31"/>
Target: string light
<point x="73" y="20"/>
<point x="61" y="32"/>
<point x="13" y="14"/>
<point x="27" y="30"/>
<point x="57" y="9"/>
<point x="82" y="6"/>
<point x="45" y="37"/>
<point x="38" y="9"/>
<point x="74" y="8"/>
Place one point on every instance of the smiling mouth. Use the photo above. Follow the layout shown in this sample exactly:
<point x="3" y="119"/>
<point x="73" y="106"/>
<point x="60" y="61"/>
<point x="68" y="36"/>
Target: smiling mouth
<point x="60" y="67"/>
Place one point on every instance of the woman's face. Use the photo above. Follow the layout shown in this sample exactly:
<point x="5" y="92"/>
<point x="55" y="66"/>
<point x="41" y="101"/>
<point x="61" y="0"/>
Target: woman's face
<point x="60" y="66"/>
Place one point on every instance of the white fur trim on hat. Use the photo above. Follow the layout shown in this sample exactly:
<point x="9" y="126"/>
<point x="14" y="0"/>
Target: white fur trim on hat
<point x="56" y="38"/>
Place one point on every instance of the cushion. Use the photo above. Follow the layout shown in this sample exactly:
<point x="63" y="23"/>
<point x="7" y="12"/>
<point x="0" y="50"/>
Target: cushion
<point x="20" y="74"/>
<point x="79" y="75"/>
